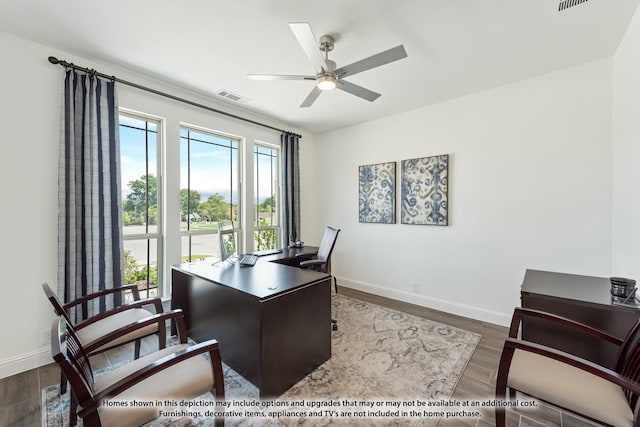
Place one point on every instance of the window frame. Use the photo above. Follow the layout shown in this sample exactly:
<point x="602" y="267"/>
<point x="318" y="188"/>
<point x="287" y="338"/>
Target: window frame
<point x="276" y="186"/>
<point x="238" y="178"/>
<point x="159" y="235"/>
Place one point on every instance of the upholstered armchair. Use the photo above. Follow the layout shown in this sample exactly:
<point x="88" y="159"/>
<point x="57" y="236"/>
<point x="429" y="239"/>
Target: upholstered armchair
<point x="97" y="333"/>
<point x="607" y="396"/>
<point x="177" y="372"/>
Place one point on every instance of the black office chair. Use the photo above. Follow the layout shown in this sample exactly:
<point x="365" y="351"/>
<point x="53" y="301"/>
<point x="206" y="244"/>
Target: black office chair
<point x="321" y="260"/>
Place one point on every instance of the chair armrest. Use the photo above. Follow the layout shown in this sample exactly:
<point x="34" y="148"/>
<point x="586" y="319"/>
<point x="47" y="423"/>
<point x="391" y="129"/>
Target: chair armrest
<point x="312" y="262"/>
<point x="104" y="292"/>
<point x="160" y="319"/>
<point x="511" y="344"/>
<point x="157" y="302"/>
<point x="158" y="366"/>
<point x="519" y="313"/>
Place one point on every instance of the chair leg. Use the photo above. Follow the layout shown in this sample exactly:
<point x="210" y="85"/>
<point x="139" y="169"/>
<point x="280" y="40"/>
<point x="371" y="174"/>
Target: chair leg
<point x="500" y="417"/>
<point x="334" y="322"/>
<point x="218" y="383"/>
<point x="162" y="335"/>
<point x="92" y="419"/>
<point x="500" y="413"/>
<point x="501" y="385"/>
<point x="501" y="392"/>
<point x="73" y="406"/>
<point x="63" y="383"/>
<point x="136" y="349"/>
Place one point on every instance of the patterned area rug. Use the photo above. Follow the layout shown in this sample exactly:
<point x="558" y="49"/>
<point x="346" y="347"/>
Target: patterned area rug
<point x="383" y="362"/>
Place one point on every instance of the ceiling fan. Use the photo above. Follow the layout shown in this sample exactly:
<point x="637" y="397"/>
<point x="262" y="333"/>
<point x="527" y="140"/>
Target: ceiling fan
<point x="327" y="76"/>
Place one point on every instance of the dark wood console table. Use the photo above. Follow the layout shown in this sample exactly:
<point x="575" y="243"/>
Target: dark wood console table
<point x="272" y="320"/>
<point x="585" y="299"/>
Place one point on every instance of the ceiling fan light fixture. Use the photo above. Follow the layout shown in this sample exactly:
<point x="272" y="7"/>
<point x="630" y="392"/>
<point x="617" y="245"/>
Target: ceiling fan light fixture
<point x="327" y="74"/>
<point x="327" y="82"/>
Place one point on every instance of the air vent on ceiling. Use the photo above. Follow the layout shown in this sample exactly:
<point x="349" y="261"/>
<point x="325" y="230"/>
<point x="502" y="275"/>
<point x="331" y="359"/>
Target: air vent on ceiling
<point x="232" y="96"/>
<point x="566" y="4"/>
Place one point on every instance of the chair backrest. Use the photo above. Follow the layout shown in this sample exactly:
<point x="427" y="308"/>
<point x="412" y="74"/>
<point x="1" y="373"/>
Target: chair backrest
<point x="628" y="363"/>
<point x="72" y="359"/>
<point x="227" y="239"/>
<point x="326" y="247"/>
<point x="58" y="307"/>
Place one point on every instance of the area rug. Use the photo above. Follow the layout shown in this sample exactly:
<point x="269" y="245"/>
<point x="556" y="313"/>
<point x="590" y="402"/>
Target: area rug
<point x="385" y="365"/>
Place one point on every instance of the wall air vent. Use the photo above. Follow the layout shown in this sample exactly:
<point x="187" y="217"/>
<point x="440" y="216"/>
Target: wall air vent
<point x="232" y="96"/>
<point x="566" y="4"/>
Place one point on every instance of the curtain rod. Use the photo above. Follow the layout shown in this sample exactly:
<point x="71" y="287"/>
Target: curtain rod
<point x="56" y="61"/>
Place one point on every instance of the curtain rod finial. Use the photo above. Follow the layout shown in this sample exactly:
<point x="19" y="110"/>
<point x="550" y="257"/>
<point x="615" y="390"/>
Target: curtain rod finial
<point x="53" y="60"/>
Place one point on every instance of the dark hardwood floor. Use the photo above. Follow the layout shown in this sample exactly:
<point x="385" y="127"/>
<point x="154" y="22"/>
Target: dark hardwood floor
<point x="20" y="395"/>
<point x="478" y="379"/>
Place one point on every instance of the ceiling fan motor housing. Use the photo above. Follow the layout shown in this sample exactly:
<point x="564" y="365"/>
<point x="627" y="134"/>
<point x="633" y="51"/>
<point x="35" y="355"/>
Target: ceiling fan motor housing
<point x="327" y="43"/>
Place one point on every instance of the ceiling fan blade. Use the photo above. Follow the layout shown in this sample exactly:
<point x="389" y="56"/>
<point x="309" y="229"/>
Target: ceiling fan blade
<point x="313" y="95"/>
<point x="278" y="77"/>
<point x="373" y="61"/>
<point x="356" y="90"/>
<point x="309" y="43"/>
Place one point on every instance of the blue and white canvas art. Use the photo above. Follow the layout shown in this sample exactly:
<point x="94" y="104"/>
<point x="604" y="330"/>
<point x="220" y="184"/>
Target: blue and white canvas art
<point x="424" y="191"/>
<point x="377" y="197"/>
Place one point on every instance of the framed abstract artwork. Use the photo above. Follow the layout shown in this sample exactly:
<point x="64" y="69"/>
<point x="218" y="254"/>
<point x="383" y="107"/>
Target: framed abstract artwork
<point x="377" y="193"/>
<point x="424" y="191"/>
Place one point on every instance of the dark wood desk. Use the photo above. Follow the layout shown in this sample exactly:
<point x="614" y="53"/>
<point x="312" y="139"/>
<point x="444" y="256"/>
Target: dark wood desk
<point x="585" y="299"/>
<point x="272" y="320"/>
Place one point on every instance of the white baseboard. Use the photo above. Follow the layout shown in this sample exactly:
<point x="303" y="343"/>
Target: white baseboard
<point x="477" y="313"/>
<point x="25" y="362"/>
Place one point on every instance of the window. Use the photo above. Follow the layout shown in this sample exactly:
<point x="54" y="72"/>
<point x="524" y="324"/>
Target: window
<point x="265" y="185"/>
<point x="141" y="193"/>
<point x="209" y="190"/>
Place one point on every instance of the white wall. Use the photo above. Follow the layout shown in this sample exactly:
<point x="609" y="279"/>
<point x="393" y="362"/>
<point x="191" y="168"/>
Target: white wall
<point x="529" y="187"/>
<point x="28" y="172"/>
<point x="29" y="114"/>
<point x="626" y="154"/>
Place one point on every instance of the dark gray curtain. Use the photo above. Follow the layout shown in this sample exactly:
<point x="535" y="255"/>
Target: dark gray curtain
<point x="90" y="248"/>
<point x="290" y="181"/>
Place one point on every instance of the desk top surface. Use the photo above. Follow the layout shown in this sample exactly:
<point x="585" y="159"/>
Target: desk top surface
<point x="265" y="279"/>
<point x="590" y="289"/>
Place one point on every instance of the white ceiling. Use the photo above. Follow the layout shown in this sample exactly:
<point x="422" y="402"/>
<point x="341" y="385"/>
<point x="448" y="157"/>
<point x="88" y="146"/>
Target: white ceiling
<point x="455" y="47"/>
